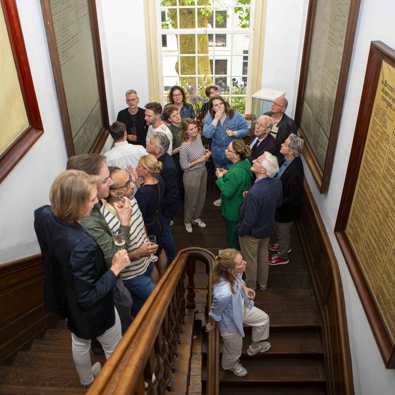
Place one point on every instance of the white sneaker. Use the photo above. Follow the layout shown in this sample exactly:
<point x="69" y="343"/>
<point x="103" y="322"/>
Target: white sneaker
<point x="217" y="203"/>
<point x="188" y="227"/>
<point x="259" y="348"/>
<point x="239" y="370"/>
<point x="96" y="367"/>
<point x="199" y="223"/>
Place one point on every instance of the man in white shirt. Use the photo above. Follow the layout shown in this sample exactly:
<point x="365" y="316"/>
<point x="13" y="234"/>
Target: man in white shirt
<point x="153" y="112"/>
<point x="123" y="154"/>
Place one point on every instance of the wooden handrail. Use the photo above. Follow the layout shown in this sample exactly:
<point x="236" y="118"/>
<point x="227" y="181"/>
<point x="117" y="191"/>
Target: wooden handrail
<point x="146" y="352"/>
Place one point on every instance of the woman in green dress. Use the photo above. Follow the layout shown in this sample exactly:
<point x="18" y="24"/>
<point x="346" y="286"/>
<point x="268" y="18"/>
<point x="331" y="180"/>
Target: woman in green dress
<point x="232" y="183"/>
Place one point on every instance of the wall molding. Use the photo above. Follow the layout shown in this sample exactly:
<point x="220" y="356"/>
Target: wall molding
<point x="22" y="315"/>
<point x="328" y="289"/>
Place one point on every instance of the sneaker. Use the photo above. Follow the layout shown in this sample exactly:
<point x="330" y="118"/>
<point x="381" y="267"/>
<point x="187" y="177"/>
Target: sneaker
<point x="259" y="348"/>
<point x="199" y="223"/>
<point x="96" y="367"/>
<point x="171" y="223"/>
<point x="188" y="227"/>
<point x="239" y="370"/>
<point x="274" y="247"/>
<point x="217" y="203"/>
<point x="278" y="260"/>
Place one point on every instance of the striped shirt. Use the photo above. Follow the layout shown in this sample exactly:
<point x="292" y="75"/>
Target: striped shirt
<point x="190" y="152"/>
<point x="137" y="236"/>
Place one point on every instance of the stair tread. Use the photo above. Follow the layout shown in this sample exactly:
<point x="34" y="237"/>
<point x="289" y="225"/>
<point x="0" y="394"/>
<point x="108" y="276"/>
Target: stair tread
<point x="284" y="370"/>
<point x="11" y="389"/>
<point x="289" y="342"/>
<point x="232" y="388"/>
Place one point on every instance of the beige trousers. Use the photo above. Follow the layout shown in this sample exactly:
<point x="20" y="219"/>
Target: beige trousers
<point x="233" y="342"/>
<point x="195" y="186"/>
<point x="255" y="252"/>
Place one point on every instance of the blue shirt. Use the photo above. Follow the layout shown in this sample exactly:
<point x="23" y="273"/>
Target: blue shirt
<point x="227" y="308"/>
<point x="283" y="167"/>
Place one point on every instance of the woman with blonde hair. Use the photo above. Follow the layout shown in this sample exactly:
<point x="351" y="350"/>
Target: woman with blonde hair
<point x="232" y="183"/>
<point x="193" y="157"/>
<point x="78" y="286"/>
<point x="232" y="307"/>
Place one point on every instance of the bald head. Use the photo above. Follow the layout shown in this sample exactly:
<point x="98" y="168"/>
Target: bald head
<point x="279" y="105"/>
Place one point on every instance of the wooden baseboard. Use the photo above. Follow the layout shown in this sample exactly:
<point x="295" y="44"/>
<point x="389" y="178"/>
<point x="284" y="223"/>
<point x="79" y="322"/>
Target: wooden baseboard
<point x="329" y="292"/>
<point x="22" y="316"/>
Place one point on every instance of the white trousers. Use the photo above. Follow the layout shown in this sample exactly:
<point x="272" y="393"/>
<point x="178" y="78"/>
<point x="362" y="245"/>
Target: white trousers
<point x="233" y="342"/>
<point x="81" y="350"/>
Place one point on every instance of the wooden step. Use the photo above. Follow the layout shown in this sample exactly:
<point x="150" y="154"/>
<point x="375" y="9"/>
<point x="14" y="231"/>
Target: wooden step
<point x="288" y="342"/>
<point x="58" y="375"/>
<point x="9" y="389"/>
<point x="277" y="370"/>
<point x="274" y="389"/>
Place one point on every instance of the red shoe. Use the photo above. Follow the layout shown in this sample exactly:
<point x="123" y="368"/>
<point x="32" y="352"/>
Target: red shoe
<point x="277" y="260"/>
<point x="274" y="247"/>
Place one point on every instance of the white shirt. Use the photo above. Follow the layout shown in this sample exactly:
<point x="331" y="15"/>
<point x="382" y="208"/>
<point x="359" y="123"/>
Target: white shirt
<point x="124" y="154"/>
<point x="161" y="129"/>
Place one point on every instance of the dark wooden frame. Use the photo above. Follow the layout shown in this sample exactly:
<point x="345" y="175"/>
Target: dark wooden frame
<point x="322" y="176"/>
<point x="379" y="52"/>
<point x="64" y="110"/>
<point x="14" y="153"/>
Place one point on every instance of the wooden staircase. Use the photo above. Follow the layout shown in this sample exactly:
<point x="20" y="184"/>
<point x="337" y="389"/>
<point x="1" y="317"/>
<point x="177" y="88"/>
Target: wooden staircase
<point x="46" y="368"/>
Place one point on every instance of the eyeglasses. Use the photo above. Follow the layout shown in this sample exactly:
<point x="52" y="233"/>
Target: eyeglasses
<point x="126" y="185"/>
<point x="177" y="94"/>
<point x="277" y="104"/>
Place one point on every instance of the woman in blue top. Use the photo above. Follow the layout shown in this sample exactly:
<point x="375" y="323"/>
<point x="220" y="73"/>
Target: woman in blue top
<point x="233" y="307"/>
<point x="222" y="124"/>
<point x="178" y="97"/>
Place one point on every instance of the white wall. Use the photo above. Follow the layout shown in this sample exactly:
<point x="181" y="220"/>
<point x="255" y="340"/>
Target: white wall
<point x="122" y="31"/>
<point x="285" y="27"/>
<point x="375" y="23"/>
<point x="26" y="187"/>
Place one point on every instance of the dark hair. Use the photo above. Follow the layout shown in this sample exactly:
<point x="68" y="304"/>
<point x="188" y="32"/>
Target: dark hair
<point x="241" y="148"/>
<point x="184" y="127"/>
<point x="89" y="163"/>
<point x="168" y="110"/>
<point x="224" y="263"/>
<point x="172" y="89"/>
<point x="208" y="89"/>
<point x="154" y="106"/>
<point x="117" y="130"/>
<point x="228" y="109"/>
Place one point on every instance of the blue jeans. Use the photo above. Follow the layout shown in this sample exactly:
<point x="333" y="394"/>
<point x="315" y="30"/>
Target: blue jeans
<point x="168" y="243"/>
<point x="140" y="287"/>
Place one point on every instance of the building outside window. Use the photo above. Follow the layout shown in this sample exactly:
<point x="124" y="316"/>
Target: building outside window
<point x="206" y="42"/>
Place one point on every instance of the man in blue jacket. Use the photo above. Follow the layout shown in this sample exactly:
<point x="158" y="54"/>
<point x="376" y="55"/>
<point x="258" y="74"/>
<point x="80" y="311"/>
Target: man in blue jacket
<point x="256" y="220"/>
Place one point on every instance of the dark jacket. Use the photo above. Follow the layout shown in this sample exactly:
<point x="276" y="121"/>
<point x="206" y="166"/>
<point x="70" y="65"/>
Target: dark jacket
<point x="268" y="144"/>
<point x="77" y="284"/>
<point x="292" y="181"/>
<point x="134" y="123"/>
<point x="171" y="201"/>
<point x="259" y="207"/>
<point x="286" y="126"/>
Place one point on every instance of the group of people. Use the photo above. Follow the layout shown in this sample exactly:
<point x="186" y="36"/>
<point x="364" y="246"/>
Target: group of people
<point x="106" y="238"/>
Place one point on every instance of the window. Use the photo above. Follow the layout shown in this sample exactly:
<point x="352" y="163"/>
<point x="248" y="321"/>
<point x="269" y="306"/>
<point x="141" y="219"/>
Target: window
<point x="205" y="42"/>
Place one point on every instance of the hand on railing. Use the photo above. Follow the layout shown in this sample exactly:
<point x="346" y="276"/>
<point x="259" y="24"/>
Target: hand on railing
<point x="210" y="326"/>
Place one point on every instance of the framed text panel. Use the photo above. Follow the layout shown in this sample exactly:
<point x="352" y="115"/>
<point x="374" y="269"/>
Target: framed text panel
<point x="73" y="40"/>
<point x="327" y="52"/>
<point x="19" y="116"/>
<point x="365" y="225"/>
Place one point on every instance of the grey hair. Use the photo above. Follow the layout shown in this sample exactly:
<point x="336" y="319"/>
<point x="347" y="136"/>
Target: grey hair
<point x="270" y="164"/>
<point x="130" y="92"/>
<point x="285" y="103"/>
<point x="161" y="141"/>
<point x="268" y="119"/>
<point x="296" y="144"/>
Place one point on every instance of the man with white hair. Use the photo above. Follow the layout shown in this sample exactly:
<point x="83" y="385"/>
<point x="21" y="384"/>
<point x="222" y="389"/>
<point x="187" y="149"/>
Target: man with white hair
<point x="256" y="220"/>
<point x="262" y="140"/>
